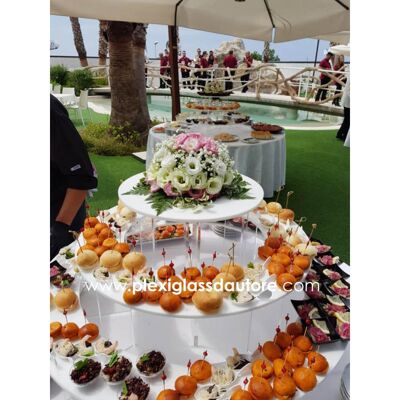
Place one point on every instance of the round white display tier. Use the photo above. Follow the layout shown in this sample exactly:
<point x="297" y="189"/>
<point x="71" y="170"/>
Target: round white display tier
<point x="176" y="251"/>
<point x="221" y="209"/>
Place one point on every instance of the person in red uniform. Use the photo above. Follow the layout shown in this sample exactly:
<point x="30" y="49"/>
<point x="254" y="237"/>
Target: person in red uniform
<point x="248" y="61"/>
<point x="339" y="66"/>
<point x="211" y="59"/>
<point x="324" y="64"/>
<point x="230" y="61"/>
<point x="203" y="67"/>
<point x="185" y="61"/>
<point x="164" y="62"/>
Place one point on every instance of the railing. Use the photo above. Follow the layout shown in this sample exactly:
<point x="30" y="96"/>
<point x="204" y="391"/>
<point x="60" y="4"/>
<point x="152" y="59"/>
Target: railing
<point x="301" y="85"/>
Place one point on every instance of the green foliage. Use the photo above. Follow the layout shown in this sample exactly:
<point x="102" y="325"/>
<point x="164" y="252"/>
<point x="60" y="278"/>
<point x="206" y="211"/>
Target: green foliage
<point x="59" y="74"/>
<point x="108" y="140"/>
<point x="256" y="56"/>
<point x="100" y="81"/>
<point x="238" y="189"/>
<point x="81" y="79"/>
<point x="272" y="56"/>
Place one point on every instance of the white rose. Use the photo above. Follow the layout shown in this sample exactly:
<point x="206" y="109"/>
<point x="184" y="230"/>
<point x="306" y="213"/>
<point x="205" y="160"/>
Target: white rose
<point x="199" y="181"/>
<point x="214" y="185"/>
<point x="160" y="154"/>
<point x="168" y="162"/>
<point x="220" y="168"/>
<point x="192" y="165"/>
<point x="180" y="180"/>
<point x="163" y="176"/>
<point x="228" y="178"/>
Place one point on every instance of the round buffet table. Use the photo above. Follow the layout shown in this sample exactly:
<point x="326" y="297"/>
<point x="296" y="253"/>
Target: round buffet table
<point x="265" y="161"/>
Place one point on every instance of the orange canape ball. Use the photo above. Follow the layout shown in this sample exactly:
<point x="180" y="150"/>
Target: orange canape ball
<point x="271" y="350"/>
<point x="294" y="356"/>
<point x="283" y="340"/>
<point x="100" y="226"/>
<point x="210" y="272"/>
<point x="317" y="362"/>
<point x="191" y="273"/>
<point x="168" y="394"/>
<point x="55" y="329"/>
<point x="170" y="302"/>
<point x="89" y="329"/>
<point x="284" y="387"/>
<point x="260" y="389"/>
<point x="122" y="247"/>
<point x="305" y="379"/>
<point x="100" y="250"/>
<point x="152" y="296"/>
<point x="132" y="296"/>
<point x="275" y="268"/>
<point x="105" y="233"/>
<point x="201" y="370"/>
<point x="93" y="241"/>
<point x="241" y="394"/>
<point x="89" y="232"/>
<point x="273" y="242"/>
<point x="165" y="272"/>
<point x="285" y="250"/>
<point x="262" y="368"/>
<point x="286" y="281"/>
<point x="282" y="368"/>
<point x="282" y="259"/>
<point x="186" y="385"/>
<point x="295" y="329"/>
<point x="90" y="222"/>
<point x="303" y="343"/>
<point x="109" y="243"/>
<point x="302" y="261"/>
<point x="70" y="330"/>
<point x="296" y="271"/>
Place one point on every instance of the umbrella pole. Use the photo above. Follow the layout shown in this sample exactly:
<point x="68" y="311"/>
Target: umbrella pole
<point x="173" y="62"/>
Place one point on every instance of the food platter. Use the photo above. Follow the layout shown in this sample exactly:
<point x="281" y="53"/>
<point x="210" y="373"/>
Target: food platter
<point x="221" y="209"/>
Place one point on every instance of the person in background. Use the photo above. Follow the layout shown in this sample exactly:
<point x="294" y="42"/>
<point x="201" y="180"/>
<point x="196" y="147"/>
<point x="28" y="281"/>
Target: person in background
<point x="248" y="61"/>
<point x="164" y="61"/>
<point x="211" y="59"/>
<point x="230" y="61"/>
<point x="197" y="71"/>
<point x="344" y="128"/>
<point x="72" y="175"/>
<point x="339" y="66"/>
<point x="324" y="64"/>
<point x="185" y="61"/>
<point x="203" y="67"/>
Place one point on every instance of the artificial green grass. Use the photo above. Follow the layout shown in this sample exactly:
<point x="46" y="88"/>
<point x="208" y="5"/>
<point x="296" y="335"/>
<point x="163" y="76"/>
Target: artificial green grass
<point x="318" y="171"/>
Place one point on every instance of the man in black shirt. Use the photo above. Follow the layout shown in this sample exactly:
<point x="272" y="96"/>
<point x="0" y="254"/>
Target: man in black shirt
<point x="71" y="176"/>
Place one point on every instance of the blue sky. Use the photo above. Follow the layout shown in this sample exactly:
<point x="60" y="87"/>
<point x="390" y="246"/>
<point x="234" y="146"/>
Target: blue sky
<point x="60" y="32"/>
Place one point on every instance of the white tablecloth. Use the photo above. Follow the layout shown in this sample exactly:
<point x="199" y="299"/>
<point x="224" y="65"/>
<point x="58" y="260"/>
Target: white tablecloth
<point x="65" y="98"/>
<point x="265" y="162"/>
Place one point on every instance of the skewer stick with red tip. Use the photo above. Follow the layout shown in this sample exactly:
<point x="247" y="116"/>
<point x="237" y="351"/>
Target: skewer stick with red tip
<point x="259" y="347"/>
<point x="190" y="256"/>
<point x="189" y="364"/>
<point x="75" y="235"/>
<point x="65" y="312"/>
<point x="277" y="330"/>
<point x="84" y="315"/>
<point x="163" y="378"/>
<point x="205" y="354"/>
<point x="245" y="382"/>
<point x="278" y="193"/>
<point x="287" y="319"/>
<point x="214" y="256"/>
<point x="163" y="253"/>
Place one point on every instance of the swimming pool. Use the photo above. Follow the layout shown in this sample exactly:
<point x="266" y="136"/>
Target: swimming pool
<point x="160" y="108"/>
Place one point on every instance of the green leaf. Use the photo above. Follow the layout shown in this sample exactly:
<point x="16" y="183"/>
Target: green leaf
<point x="144" y="357"/>
<point x="141" y="188"/>
<point x="124" y="389"/>
<point x="234" y="296"/>
<point x="113" y="359"/>
<point x="69" y="254"/>
<point x="81" y="364"/>
<point x="160" y="202"/>
<point x="237" y="190"/>
<point x="250" y="265"/>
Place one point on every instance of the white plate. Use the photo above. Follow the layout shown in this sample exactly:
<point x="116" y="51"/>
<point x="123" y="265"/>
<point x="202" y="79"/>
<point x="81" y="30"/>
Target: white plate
<point x="222" y="209"/>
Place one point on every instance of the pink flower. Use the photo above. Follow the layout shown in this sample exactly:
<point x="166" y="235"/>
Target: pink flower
<point x="196" y="193"/>
<point x="154" y="187"/>
<point x="169" y="190"/>
<point x="210" y="145"/>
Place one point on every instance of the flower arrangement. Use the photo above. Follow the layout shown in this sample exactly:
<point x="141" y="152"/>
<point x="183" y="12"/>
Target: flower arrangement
<point x="214" y="87"/>
<point x="190" y="170"/>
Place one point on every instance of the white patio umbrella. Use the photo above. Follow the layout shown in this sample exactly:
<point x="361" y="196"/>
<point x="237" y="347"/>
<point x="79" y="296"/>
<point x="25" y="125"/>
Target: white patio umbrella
<point x="340" y="50"/>
<point x="338" y="37"/>
<point x="251" y="19"/>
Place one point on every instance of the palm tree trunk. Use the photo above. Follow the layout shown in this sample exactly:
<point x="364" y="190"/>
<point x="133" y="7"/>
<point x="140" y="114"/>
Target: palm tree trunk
<point x="265" y="54"/>
<point x="126" y="43"/>
<point x="78" y="40"/>
<point x="103" y="45"/>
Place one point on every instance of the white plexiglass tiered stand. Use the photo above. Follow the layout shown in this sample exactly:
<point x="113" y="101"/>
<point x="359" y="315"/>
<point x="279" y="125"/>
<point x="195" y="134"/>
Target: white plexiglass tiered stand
<point x="187" y="333"/>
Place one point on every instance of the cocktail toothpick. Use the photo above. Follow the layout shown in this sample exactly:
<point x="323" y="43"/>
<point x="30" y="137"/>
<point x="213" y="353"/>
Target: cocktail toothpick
<point x="205" y="354"/>
<point x="277" y="330"/>
<point x="65" y="312"/>
<point x="163" y="253"/>
<point x="288" y="194"/>
<point x="214" y="256"/>
<point x="163" y="378"/>
<point x="278" y="193"/>
<point x="75" y="235"/>
<point x="245" y="382"/>
<point x="259" y="347"/>
<point x="189" y="364"/>
<point x="203" y="265"/>
<point x="300" y="223"/>
<point x="314" y="227"/>
<point x="287" y="319"/>
<point x="84" y="315"/>
<point x="190" y="256"/>
<point x="88" y="210"/>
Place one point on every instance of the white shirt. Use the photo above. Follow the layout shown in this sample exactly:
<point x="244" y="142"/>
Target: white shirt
<point x="346" y="93"/>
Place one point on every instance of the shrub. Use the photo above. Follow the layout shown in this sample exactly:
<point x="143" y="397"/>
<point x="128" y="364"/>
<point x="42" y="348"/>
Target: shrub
<point x="106" y="140"/>
<point x="81" y="79"/>
<point x="59" y="74"/>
